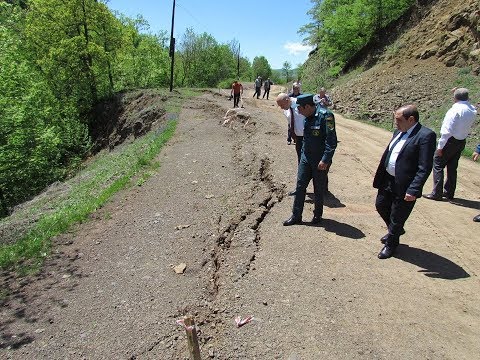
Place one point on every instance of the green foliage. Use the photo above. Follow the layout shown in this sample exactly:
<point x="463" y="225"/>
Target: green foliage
<point x="142" y="61"/>
<point x="58" y="58"/>
<point x="287" y="71"/>
<point x="317" y="72"/>
<point x="261" y="67"/>
<point x="38" y="132"/>
<point x="340" y="28"/>
<point x="225" y="84"/>
<point x="205" y="62"/>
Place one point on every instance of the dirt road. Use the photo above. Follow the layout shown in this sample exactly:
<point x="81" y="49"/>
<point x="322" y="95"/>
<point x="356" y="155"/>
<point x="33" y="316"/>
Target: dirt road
<point x="217" y="205"/>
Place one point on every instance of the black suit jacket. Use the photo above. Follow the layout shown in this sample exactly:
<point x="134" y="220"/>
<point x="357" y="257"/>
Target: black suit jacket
<point x="414" y="163"/>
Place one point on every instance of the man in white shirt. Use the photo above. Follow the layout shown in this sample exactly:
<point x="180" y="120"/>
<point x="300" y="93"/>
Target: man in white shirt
<point x="455" y="129"/>
<point x="295" y="127"/>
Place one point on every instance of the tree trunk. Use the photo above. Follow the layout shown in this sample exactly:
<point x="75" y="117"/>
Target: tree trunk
<point x="3" y="205"/>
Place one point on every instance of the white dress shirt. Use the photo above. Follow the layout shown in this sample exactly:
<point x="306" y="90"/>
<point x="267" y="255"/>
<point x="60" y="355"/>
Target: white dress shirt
<point x="298" y="118"/>
<point x="396" y="150"/>
<point x="457" y="122"/>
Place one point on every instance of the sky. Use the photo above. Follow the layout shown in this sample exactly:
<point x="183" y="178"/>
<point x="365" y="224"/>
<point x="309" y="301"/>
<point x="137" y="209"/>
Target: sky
<point x="262" y="27"/>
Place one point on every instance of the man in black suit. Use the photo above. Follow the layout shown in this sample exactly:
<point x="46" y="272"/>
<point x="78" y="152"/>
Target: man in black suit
<point x="401" y="174"/>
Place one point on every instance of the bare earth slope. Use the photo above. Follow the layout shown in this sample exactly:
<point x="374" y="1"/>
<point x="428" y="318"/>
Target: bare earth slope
<point x="432" y="53"/>
<point x="217" y="205"/>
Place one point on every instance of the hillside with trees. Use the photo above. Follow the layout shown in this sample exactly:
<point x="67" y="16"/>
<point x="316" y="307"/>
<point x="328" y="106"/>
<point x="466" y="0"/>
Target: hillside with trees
<point x="62" y="58"/>
<point x="377" y="55"/>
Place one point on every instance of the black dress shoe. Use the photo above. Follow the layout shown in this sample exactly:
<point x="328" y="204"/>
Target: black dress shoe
<point x="316" y="220"/>
<point x="386" y="252"/>
<point x="292" y="193"/>
<point x="477" y="218"/>
<point x="432" y="197"/>
<point x="448" y="197"/>
<point x="384" y="238"/>
<point x="292" y="221"/>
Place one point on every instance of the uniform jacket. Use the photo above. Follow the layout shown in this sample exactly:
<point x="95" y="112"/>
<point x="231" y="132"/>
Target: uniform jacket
<point x="319" y="136"/>
<point x="414" y="163"/>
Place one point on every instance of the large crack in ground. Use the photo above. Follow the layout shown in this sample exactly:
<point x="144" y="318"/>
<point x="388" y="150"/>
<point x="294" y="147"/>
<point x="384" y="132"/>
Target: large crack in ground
<point x="233" y="250"/>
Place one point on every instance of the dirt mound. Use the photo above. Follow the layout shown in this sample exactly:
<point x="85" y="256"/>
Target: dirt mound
<point x="125" y="117"/>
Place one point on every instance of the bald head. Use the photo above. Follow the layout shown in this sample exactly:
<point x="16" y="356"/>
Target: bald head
<point x="283" y="101"/>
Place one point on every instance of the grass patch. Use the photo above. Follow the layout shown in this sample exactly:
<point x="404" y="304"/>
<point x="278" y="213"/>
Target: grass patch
<point x="89" y="190"/>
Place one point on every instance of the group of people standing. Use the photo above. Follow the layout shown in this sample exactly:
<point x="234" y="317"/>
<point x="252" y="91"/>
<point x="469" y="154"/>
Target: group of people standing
<point x="237" y="90"/>
<point x="403" y="168"/>
<point x="266" y="87"/>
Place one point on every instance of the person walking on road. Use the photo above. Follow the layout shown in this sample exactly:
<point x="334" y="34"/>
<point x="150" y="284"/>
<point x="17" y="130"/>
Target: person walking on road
<point x="266" y="87"/>
<point x="319" y="144"/>
<point x="258" y="87"/>
<point x="237" y="91"/>
<point x="401" y="174"/>
<point x="455" y="129"/>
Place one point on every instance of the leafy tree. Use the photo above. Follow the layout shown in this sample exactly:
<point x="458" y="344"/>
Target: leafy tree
<point x="286" y="70"/>
<point x="340" y="28"/>
<point x="204" y="61"/>
<point x="261" y="67"/>
<point x="39" y="135"/>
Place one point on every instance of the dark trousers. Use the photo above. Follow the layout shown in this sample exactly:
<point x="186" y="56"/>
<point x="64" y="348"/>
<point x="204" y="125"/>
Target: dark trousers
<point x="393" y="209"/>
<point x="308" y="170"/>
<point x="449" y="159"/>
<point x="236" y="99"/>
<point x="266" y="92"/>
<point x="258" y="92"/>
<point x="298" y="147"/>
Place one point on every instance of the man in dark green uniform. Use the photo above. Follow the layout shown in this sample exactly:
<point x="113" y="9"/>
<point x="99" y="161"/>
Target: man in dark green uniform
<point x="319" y="143"/>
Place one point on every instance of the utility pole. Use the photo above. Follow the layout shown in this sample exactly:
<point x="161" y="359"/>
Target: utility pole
<point x="172" y="48"/>
<point x="238" y="63"/>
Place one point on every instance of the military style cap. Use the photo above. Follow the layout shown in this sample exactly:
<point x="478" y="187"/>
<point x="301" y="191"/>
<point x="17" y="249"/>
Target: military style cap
<point x="305" y="99"/>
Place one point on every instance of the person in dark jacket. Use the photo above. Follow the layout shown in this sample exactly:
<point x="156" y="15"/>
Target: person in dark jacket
<point x="401" y="174"/>
<point x="319" y="144"/>
<point x="266" y="87"/>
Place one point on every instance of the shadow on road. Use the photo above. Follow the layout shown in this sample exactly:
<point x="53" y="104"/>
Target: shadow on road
<point x="342" y="229"/>
<point x="330" y="200"/>
<point x="432" y="265"/>
<point x="26" y="299"/>
<point x="472" y="204"/>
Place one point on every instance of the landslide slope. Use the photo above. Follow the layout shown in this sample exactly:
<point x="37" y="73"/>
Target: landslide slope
<point x="418" y="59"/>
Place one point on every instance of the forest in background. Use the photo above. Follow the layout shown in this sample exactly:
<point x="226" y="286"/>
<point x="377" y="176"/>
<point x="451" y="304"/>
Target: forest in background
<point x="61" y="57"/>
